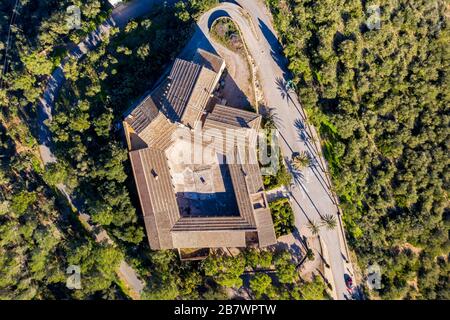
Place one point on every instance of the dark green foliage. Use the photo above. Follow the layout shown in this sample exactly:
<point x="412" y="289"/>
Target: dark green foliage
<point x="258" y="258"/>
<point x="272" y="276"/>
<point x="119" y="71"/>
<point x="380" y="101"/>
<point x="278" y="175"/>
<point x="279" y="178"/>
<point x="40" y="237"/>
<point x="98" y="265"/>
<point x="225" y="270"/>
<point x="100" y="88"/>
<point x="191" y="9"/>
<point x="21" y="201"/>
<point x="286" y="269"/>
<point x="260" y="284"/>
<point x="282" y="216"/>
<point x="314" y="290"/>
<point x="38" y="240"/>
<point x="58" y="172"/>
<point x="36" y="43"/>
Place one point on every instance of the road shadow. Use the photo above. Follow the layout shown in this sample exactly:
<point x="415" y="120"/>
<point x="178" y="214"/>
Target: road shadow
<point x="276" y="50"/>
<point x="299" y="180"/>
<point x="315" y="164"/>
<point x="216" y="15"/>
<point x="294" y="249"/>
<point x="197" y="41"/>
<point x="292" y="197"/>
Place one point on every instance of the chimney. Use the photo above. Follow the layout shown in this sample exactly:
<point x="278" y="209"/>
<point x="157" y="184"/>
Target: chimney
<point x="155" y="175"/>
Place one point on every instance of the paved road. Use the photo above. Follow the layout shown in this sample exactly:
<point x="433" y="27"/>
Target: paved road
<point x="118" y="18"/>
<point x="310" y="194"/>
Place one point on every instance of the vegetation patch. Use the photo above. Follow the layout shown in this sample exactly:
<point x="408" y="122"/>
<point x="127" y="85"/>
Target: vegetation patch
<point x="277" y="175"/>
<point x="283" y="216"/>
<point x="271" y="275"/>
<point x="281" y="177"/>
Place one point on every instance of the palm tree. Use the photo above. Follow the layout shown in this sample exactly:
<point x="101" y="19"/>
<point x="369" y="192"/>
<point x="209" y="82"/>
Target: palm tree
<point x="314" y="227"/>
<point x="310" y="254"/>
<point x="270" y="121"/>
<point x="301" y="160"/>
<point x="329" y="221"/>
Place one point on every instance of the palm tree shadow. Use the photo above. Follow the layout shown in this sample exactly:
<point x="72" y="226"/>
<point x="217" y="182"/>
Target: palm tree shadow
<point x="285" y="92"/>
<point x="306" y="138"/>
<point x="282" y="87"/>
<point x="300" y="126"/>
<point x="273" y="117"/>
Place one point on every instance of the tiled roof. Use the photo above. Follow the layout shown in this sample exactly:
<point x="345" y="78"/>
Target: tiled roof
<point x="234" y="118"/>
<point x="199" y="97"/>
<point x="159" y="133"/>
<point x="225" y="122"/>
<point x="178" y="88"/>
<point x="141" y="116"/>
<point x="209" y="239"/>
<point x="155" y="190"/>
<point x="182" y="97"/>
<point x="209" y="60"/>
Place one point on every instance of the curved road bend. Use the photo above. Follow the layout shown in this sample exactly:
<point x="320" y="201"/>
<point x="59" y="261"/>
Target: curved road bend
<point x="119" y="17"/>
<point x="310" y="194"/>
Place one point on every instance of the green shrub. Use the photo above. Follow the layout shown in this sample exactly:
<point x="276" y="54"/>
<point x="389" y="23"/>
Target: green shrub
<point x="283" y="216"/>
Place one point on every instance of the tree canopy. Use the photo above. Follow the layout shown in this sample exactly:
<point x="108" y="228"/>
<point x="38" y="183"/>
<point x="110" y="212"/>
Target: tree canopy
<point x="376" y="88"/>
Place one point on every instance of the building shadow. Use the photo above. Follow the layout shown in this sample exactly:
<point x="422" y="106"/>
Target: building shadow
<point x="272" y="114"/>
<point x="232" y="93"/>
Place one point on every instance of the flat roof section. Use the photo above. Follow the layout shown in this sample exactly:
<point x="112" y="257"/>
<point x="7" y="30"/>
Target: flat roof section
<point x="203" y="189"/>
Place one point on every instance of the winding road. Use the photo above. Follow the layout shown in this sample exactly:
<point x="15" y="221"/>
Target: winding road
<point x="310" y="194"/>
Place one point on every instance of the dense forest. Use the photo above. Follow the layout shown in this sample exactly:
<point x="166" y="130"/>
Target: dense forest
<point x="374" y="79"/>
<point x="39" y="236"/>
